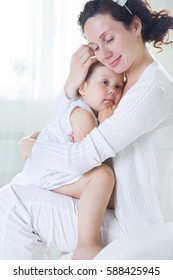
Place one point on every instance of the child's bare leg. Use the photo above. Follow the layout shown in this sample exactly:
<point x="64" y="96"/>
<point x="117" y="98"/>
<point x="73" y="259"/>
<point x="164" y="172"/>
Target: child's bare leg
<point x="95" y="192"/>
<point x="93" y="201"/>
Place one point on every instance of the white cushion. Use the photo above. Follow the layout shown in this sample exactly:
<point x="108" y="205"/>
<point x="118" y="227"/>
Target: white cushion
<point x="150" y="243"/>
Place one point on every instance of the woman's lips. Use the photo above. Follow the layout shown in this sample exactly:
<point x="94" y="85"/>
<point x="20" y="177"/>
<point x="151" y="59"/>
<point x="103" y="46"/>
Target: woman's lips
<point x="115" y="62"/>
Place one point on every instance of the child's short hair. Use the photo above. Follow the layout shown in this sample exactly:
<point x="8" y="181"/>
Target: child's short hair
<point x="92" y="67"/>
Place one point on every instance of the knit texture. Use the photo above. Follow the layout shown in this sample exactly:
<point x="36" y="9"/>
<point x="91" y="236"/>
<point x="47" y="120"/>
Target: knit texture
<point x="139" y="138"/>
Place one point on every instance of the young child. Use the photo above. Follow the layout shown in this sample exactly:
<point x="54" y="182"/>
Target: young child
<point x="102" y="89"/>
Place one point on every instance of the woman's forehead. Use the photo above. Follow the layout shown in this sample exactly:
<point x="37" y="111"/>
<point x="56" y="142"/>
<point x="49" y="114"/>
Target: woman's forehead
<point x="98" y="23"/>
<point x="96" y="27"/>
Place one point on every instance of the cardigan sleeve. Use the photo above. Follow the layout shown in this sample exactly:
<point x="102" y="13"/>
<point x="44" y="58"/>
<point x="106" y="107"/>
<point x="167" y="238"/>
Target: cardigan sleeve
<point x="140" y="111"/>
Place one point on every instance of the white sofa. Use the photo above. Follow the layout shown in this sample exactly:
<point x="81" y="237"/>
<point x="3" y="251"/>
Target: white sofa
<point x="149" y="243"/>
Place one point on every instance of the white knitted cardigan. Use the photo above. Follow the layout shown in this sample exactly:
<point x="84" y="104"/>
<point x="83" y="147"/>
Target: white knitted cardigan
<point x="139" y="138"/>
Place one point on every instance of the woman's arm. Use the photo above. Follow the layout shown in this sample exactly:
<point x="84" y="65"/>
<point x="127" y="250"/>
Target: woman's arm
<point x="80" y="63"/>
<point x="139" y="111"/>
<point x="26" y="143"/>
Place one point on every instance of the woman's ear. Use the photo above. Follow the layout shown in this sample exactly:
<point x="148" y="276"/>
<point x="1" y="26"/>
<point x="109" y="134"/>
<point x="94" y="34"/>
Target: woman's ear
<point x="137" y="25"/>
<point x="82" y="89"/>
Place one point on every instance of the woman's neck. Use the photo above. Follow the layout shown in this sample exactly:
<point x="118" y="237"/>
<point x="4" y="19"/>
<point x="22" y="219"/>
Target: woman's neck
<point x="137" y="69"/>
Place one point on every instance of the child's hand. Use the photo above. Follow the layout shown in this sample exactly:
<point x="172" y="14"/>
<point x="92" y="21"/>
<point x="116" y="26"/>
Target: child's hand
<point x="80" y="62"/>
<point x="106" y="113"/>
<point x="26" y="143"/>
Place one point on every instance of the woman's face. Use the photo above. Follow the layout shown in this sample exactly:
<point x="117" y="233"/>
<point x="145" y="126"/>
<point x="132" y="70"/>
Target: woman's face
<point x="114" y="45"/>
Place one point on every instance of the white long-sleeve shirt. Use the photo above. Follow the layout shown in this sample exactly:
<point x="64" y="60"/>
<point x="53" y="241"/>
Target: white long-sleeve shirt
<point x="139" y="138"/>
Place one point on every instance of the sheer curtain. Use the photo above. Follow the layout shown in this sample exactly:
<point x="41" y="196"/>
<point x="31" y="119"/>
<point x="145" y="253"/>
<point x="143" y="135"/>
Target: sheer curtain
<point x="37" y="40"/>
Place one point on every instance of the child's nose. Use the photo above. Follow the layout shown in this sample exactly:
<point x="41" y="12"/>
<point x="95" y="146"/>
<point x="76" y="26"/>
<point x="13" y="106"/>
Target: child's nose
<point x="111" y="91"/>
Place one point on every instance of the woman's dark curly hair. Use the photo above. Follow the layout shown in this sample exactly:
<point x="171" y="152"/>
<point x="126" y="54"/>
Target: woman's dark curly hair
<point x="155" y="25"/>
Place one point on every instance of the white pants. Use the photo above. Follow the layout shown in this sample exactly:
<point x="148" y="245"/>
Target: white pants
<point x="33" y="220"/>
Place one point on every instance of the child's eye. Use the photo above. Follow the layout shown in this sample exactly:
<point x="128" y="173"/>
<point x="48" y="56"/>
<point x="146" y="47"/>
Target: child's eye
<point x="104" y="82"/>
<point x="119" y="87"/>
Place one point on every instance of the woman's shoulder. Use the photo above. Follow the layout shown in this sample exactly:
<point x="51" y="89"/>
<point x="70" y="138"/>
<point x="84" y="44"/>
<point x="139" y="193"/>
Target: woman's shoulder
<point x="154" y="88"/>
<point x="155" y="74"/>
<point x="154" y="79"/>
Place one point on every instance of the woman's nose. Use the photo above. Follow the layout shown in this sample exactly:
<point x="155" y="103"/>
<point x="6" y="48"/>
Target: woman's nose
<point x="104" y="54"/>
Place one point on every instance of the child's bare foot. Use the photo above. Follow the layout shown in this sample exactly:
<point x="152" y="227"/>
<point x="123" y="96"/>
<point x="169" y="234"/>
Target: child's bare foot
<point x="86" y="252"/>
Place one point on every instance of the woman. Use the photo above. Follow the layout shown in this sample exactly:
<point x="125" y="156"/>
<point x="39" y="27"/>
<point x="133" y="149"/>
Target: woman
<point x="137" y="137"/>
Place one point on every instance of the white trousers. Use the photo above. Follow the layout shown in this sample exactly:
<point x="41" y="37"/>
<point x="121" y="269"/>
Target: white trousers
<point x="33" y="220"/>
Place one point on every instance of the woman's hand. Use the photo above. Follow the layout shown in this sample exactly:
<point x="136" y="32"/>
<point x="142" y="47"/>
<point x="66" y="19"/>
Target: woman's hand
<point x="80" y="62"/>
<point x="107" y="112"/>
<point x="26" y="143"/>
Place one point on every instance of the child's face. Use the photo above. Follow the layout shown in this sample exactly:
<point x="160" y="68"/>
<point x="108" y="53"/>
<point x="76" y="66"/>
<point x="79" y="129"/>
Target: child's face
<point x="103" y="87"/>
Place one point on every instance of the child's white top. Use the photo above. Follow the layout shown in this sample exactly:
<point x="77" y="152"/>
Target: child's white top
<point x="58" y="131"/>
<point x="139" y="137"/>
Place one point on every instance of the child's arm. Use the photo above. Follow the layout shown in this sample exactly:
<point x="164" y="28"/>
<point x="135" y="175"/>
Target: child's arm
<point x="107" y="112"/>
<point x="82" y="123"/>
<point x="26" y="143"/>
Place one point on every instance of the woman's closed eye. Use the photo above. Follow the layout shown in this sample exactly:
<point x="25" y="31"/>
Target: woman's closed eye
<point x="108" y="41"/>
<point x="94" y="47"/>
<point x="108" y="38"/>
